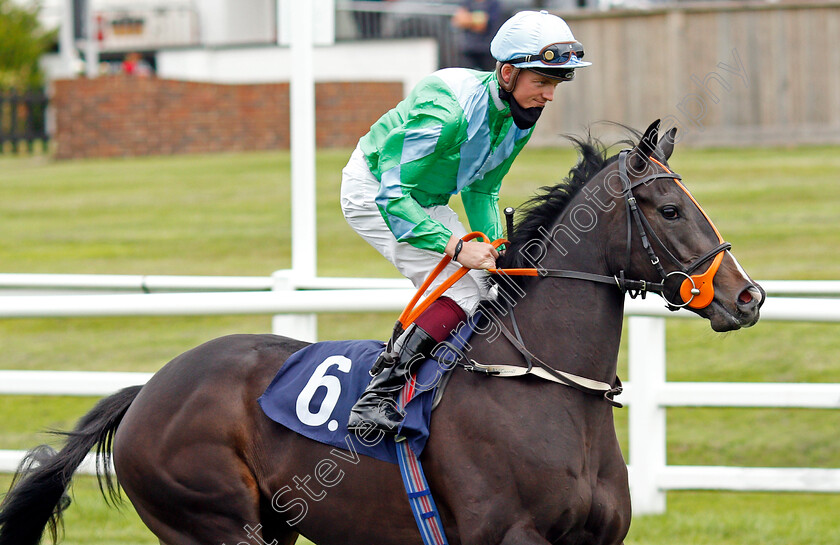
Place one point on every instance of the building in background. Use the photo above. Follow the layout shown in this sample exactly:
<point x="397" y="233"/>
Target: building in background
<point x="123" y="27"/>
<point x="720" y="71"/>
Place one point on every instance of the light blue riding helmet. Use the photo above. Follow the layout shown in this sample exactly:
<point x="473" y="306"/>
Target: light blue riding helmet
<point x="538" y="41"/>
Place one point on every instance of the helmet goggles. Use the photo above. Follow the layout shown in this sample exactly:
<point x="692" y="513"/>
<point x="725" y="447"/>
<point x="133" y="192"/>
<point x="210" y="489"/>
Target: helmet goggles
<point x="556" y="54"/>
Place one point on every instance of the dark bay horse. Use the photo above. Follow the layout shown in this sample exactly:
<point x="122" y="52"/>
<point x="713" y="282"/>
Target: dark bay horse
<point x="509" y="461"/>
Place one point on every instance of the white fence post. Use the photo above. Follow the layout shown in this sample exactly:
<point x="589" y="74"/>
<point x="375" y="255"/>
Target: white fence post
<point x="646" y="338"/>
<point x="296" y="326"/>
<point x="302" y="136"/>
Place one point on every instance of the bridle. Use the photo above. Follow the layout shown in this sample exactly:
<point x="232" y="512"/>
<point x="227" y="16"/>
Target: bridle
<point x="696" y="290"/>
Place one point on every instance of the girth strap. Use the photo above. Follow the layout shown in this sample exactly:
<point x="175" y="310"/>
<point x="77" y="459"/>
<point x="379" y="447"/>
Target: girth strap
<point x="417" y="488"/>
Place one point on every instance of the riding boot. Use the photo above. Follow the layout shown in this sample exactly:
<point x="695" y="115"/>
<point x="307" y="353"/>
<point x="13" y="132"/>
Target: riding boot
<point x="377" y="408"/>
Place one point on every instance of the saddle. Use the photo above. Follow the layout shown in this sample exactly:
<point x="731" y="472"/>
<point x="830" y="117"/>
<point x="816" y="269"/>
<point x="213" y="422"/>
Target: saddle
<point x="314" y="390"/>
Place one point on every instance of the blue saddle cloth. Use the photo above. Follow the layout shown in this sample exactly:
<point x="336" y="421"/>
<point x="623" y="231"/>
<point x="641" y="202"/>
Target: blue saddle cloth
<point x="313" y="393"/>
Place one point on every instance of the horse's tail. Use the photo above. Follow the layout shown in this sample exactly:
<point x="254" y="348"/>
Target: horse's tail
<point x="37" y="497"/>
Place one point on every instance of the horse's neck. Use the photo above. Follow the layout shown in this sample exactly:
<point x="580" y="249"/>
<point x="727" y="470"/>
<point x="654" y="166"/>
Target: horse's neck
<point x="572" y="325"/>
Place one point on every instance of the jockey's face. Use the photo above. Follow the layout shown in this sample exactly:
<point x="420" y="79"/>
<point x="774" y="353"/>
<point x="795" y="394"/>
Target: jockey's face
<point x="534" y="90"/>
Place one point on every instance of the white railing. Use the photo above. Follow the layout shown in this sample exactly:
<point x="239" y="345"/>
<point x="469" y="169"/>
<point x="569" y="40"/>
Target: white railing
<point x="285" y="282"/>
<point x="150" y="283"/>
<point x="647" y="392"/>
<point x="648" y="395"/>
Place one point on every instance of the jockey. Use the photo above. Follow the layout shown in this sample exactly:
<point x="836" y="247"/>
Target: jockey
<point x="458" y="130"/>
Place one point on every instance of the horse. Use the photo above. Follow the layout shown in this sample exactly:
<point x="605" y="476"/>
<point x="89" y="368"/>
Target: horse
<point x="510" y="461"/>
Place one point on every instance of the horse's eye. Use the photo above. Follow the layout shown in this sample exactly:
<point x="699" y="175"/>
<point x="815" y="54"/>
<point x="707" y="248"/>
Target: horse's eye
<point x="670" y="212"/>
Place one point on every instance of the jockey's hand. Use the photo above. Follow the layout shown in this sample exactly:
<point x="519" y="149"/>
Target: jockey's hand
<point x="473" y="254"/>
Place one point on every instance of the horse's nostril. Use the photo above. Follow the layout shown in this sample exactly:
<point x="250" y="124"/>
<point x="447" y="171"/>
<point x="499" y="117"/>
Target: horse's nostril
<point x="750" y="297"/>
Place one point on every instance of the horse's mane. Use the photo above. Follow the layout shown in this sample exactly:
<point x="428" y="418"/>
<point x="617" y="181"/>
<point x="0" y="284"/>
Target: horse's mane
<point x="549" y="203"/>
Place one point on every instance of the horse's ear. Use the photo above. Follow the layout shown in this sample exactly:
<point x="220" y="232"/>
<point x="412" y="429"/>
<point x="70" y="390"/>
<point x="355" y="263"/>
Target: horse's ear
<point x="646" y="146"/>
<point x="649" y="140"/>
<point x="666" y="145"/>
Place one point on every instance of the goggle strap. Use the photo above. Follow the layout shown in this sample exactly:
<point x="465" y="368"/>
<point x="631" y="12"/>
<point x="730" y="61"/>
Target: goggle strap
<point x="526" y="58"/>
<point x="529" y="58"/>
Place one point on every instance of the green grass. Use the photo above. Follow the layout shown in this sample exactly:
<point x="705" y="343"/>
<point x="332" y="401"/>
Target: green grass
<point x="230" y="215"/>
<point x="693" y="518"/>
<point x="718" y="518"/>
<point x="89" y="521"/>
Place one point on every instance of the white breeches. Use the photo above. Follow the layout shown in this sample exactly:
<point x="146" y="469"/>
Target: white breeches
<point x="358" y="191"/>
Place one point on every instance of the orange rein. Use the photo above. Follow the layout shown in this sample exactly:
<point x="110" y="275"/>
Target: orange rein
<point x="411" y="313"/>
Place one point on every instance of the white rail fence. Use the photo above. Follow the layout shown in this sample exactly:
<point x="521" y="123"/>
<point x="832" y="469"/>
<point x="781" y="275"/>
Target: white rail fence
<point x="647" y="392"/>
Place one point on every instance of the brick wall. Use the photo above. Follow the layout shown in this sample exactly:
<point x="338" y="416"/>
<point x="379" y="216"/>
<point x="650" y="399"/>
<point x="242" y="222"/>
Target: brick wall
<point x="120" y="116"/>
